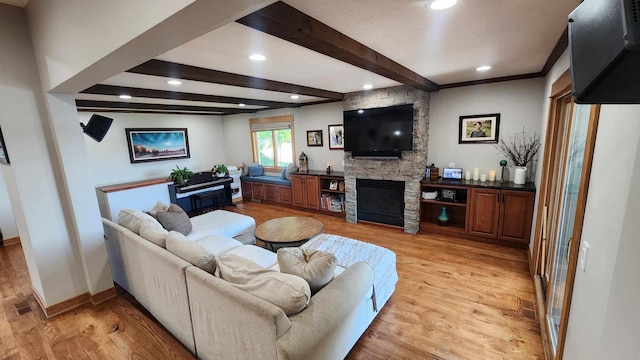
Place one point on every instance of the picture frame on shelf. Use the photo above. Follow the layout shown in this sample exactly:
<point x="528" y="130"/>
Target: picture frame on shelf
<point x="4" y="156"/>
<point x="157" y="144"/>
<point x="314" y="138"/>
<point x="336" y="137"/>
<point x="333" y="185"/>
<point x="478" y="129"/>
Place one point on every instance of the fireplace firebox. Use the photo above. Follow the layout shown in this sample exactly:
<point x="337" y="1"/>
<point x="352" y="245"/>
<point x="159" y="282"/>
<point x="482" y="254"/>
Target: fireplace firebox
<point x="380" y="201"/>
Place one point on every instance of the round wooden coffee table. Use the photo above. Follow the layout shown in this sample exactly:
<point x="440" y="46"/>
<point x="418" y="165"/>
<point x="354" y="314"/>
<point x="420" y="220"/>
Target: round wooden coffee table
<point x="288" y="231"/>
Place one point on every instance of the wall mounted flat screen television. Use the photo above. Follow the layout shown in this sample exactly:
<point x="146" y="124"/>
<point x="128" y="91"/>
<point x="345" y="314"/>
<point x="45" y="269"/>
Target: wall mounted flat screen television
<point x="383" y="132"/>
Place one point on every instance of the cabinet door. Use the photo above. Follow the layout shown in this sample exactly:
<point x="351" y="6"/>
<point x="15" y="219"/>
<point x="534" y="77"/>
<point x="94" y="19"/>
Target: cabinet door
<point x="258" y="191"/>
<point x="311" y="192"/>
<point x="484" y="212"/>
<point x="516" y="212"/>
<point x="247" y="192"/>
<point x="284" y="194"/>
<point x="270" y="192"/>
<point x="297" y="190"/>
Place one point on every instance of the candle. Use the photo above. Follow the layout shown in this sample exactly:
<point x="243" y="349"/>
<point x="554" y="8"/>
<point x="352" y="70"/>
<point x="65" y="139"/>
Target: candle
<point x="328" y="168"/>
<point x="476" y="173"/>
<point x="467" y="175"/>
<point x="492" y="175"/>
<point x="483" y="177"/>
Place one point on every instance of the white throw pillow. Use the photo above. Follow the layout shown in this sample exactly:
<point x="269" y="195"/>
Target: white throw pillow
<point x="190" y="251"/>
<point x="132" y="219"/>
<point x="159" y="206"/>
<point x="154" y="233"/>
<point x="316" y="267"/>
<point x="288" y="292"/>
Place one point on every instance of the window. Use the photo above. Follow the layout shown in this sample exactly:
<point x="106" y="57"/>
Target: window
<point x="273" y="141"/>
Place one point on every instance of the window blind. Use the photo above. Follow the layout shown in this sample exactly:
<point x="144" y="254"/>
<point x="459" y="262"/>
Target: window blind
<point x="270" y="126"/>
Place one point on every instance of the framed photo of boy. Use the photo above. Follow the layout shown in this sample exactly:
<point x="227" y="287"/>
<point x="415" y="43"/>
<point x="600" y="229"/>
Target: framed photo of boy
<point x="479" y="129"/>
<point x="314" y="138"/>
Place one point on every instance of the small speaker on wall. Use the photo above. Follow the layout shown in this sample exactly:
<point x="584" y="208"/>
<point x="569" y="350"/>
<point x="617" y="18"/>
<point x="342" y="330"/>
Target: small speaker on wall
<point x="97" y="127"/>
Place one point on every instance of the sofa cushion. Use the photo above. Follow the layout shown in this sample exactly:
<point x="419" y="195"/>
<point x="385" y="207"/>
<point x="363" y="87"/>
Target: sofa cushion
<point x="258" y="255"/>
<point x="288" y="292"/>
<point x="154" y="232"/>
<point x="267" y="179"/>
<point x="256" y="171"/>
<point x="159" y="206"/>
<point x="245" y="167"/>
<point x="283" y="174"/>
<point x="222" y="222"/>
<point x="290" y="168"/>
<point x="200" y="253"/>
<point x="132" y="219"/>
<point x="316" y="267"/>
<point x="175" y="219"/>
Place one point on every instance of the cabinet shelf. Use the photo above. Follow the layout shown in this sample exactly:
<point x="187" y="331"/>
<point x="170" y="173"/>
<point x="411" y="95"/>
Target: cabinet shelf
<point x="443" y="203"/>
<point x="332" y="191"/>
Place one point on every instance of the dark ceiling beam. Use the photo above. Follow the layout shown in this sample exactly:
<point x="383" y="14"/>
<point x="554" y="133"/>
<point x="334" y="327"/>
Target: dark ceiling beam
<point x="290" y="24"/>
<point x="175" y="95"/>
<point x="188" y="72"/>
<point x="132" y="111"/>
<point x="165" y="107"/>
<point x="561" y="45"/>
<point x="492" y="80"/>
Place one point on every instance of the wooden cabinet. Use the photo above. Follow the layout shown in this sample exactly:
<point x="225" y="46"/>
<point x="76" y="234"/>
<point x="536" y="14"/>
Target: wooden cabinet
<point x="305" y="191"/>
<point x="487" y="214"/>
<point x="258" y="191"/>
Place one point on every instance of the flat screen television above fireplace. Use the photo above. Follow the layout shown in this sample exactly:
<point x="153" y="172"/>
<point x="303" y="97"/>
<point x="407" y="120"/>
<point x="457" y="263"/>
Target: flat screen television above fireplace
<point x="383" y="132"/>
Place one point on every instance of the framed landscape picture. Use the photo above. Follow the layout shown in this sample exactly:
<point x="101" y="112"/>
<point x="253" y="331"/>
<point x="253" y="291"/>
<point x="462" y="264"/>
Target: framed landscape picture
<point x="479" y="129"/>
<point x="157" y="144"/>
<point x="336" y="137"/>
<point x="4" y="156"/>
<point x="314" y="138"/>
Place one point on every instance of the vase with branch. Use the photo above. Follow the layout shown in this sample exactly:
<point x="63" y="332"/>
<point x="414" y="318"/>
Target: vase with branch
<point x="521" y="149"/>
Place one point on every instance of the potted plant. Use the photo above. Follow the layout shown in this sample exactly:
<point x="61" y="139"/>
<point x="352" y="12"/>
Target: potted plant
<point x="521" y="149"/>
<point x="180" y="176"/>
<point x="220" y="170"/>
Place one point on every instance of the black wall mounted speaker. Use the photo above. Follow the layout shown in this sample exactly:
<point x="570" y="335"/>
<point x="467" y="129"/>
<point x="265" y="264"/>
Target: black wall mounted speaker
<point x="604" y="46"/>
<point x="97" y="127"/>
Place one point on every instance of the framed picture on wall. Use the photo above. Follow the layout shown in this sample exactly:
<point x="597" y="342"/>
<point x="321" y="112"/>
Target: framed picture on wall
<point x="314" y="138"/>
<point x="157" y="144"/>
<point x="4" y="156"/>
<point x="479" y="129"/>
<point x="336" y="137"/>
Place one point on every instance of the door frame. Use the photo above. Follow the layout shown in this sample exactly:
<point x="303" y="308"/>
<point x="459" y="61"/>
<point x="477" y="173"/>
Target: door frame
<point x="560" y="88"/>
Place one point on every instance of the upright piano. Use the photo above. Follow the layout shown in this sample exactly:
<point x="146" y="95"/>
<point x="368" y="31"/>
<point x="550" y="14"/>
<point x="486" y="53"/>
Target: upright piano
<point x="210" y="191"/>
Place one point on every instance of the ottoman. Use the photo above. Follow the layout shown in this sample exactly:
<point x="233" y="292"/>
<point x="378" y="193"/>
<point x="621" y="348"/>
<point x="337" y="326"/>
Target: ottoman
<point x="222" y="222"/>
<point x="349" y="251"/>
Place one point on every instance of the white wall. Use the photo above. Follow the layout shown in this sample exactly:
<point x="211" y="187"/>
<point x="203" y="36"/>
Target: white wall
<point x="109" y="161"/>
<point x="314" y="117"/>
<point x="518" y="103"/>
<point x="7" y="220"/>
<point x="604" y="321"/>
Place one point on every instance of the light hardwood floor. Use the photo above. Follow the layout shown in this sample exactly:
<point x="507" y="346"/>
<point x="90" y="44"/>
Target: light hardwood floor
<point x="456" y="299"/>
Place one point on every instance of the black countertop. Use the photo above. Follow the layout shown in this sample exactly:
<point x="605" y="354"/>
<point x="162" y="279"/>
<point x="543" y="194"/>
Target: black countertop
<point x="506" y="185"/>
<point x="320" y="173"/>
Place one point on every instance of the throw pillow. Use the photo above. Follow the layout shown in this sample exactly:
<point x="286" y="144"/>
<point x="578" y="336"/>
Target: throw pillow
<point x="256" y="171"/>
<point x="175" y="219"/>
<point x="283" y="175"/>
<point x="245" y="167"/>
<point x="153" y="232"/>
<point x="132" y="219"/>
<point x="159" y="206"/>
<point x="291" y="168"/>
<point x="288" y="292"/>
<point x="191" y="251"/>
<point x="316" y="267"/>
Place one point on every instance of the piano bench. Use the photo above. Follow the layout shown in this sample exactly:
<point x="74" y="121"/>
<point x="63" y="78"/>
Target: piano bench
<point x="197" y="199"/>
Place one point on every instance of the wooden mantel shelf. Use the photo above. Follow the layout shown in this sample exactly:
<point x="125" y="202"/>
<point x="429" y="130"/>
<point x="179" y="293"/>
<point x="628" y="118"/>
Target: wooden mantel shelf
<point x="133" y="185"/>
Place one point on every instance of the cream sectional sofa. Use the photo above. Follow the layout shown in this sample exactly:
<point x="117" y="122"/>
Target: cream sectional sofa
<point x="216" y="320"/>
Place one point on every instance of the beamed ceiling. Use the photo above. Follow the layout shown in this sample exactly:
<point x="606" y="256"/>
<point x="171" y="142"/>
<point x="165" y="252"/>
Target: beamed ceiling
<point x="320" y="50"/>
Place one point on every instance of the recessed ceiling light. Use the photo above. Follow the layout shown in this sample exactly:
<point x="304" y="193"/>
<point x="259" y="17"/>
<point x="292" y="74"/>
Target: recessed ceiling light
<point x="360" y="111"/>
<point x="257" y="57"/>
<point x="483" y="68"/>
<point x="174" y="82"/>
<point x="295" y="97"/>
<point x="242" y="105"/>
<point x="126" y="97"/>
<point x="367" y="86"/>
<point x="442" y="4"/>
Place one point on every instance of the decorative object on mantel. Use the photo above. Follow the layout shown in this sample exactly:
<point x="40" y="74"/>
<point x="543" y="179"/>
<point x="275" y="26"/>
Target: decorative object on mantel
<point x="314" y="138"/>
<point x="479" y="129"/>
<point x="328" y="168"/>
<point x="180" y="176"/>
<point x="304" y="163"/>
<point x="521" y="149"/>
<point x="157" y="144"/>
<point x="443" y="218"/>
<point x="503" y="165"/>
<point x="220" y="170"/>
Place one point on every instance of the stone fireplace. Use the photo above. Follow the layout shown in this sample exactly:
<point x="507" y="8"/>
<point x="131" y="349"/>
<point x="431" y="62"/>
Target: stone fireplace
<point x="380" y="201"/>
<point x="409" y="169"/>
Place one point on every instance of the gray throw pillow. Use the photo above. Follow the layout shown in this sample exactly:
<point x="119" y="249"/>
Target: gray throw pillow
<point x="256" y="171"/>
<point x="175" y="219"/>
<point x="245" y="167"/>
<point x="291" y="168"/>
